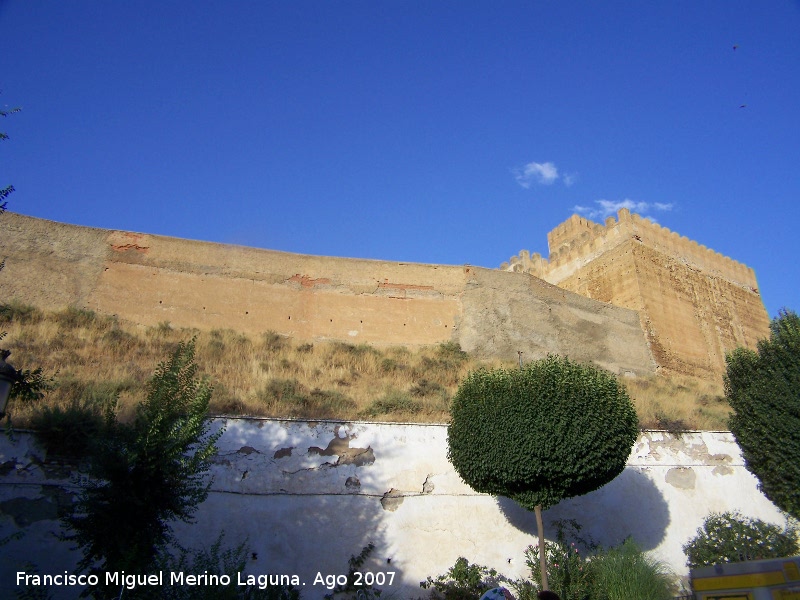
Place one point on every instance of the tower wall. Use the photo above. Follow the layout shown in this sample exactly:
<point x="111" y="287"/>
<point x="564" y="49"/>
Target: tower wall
<point x="695" y="305"/>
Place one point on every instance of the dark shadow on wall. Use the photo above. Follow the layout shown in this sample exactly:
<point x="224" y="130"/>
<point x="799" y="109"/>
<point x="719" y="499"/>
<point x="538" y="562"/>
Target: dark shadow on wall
<point x="262" y="479"/>
<point x="629" y="506"/>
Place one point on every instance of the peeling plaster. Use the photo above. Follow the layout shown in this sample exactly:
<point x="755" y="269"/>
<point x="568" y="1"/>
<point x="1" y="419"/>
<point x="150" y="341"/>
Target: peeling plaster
<point x="340" y="446"/>
<point x="283" y="453"/>
<point x="683" y="478"/>
<point x="53" y="503"/>
<point x="392" y="500"/>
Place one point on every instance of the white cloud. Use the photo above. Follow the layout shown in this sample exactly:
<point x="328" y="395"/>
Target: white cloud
<point x="545" y="173"/>
<point x="569" y="178"/>
<point x="607" y="208"/>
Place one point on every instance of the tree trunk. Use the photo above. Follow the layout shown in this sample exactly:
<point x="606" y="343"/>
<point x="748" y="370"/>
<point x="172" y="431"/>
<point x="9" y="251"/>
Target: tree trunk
<point x="542" y="555"/>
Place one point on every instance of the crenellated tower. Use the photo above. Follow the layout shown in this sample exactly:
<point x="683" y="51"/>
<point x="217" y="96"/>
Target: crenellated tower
<point x="695" y="305"/>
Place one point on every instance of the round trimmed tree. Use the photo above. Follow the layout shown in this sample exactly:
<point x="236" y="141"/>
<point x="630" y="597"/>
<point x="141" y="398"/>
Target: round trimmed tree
<point x="550" y="430"/>
<point x="763" y="388"/>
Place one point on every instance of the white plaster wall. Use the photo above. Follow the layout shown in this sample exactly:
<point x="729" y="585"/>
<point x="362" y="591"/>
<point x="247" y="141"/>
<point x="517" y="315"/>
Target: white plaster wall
<point x="307" y="495"/>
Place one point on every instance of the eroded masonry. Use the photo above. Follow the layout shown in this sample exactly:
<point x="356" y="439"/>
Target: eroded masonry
<point x="694" y="304"/>
<point x="628" y="296"/>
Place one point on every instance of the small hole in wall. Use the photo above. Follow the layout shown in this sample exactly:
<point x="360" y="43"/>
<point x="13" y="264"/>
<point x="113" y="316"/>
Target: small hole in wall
<point x="159" y="301"/>
<point x="247" y="312"/>
<point x="290" y="317"/>
<point x="331" y="320"/>
<point x="388" y="561"/>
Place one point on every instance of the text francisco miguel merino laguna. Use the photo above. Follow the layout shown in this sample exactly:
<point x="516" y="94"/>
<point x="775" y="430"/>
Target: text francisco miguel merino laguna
<point x="131" y="581"/>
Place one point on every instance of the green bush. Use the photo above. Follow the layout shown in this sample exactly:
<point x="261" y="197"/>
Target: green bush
<point x="19" y="313"/>
<point x="463" y="581"/>
<point x="70" y="431"/>
<point x="216" y="560"/>
<point x="451" y="351"/>
<point x="423" y="387"/>
<point x="145" y="476"/>
<point x="355" y="586"/>
<point x="763" y="388"/>
<point x="393" y="401"/>
<point x="74" y="318"/>
<point x="731" y="537"/>
<point x="549" y="431"/>
<point x="273" y="342"/>
<point x="627" y="573"/>
<point x="296" y="400"/>
<point x="568" y="573"/>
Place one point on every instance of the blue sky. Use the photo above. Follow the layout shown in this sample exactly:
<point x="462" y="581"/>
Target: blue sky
<point x="445" y="132"/>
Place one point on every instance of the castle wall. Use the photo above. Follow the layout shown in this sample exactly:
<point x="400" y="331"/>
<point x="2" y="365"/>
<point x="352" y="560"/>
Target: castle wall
<point x="695" y="305"/>
<point x="305" y="496"/>
<point x="151" y="279"/>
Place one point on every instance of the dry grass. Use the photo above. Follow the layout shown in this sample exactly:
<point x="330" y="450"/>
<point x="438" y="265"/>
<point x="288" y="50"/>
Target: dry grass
<point x="95" y="359"/>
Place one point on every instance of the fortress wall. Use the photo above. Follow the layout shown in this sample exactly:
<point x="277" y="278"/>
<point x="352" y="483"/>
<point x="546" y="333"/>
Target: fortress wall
<point x="691" y="319"/>
<point x="611" y="278"/>
<point x="503" y="313"/>
<point x="675" y="245"/>
<point x="578" y="240"/>
<point x="695" y="319"/>
<point x="695" y="305"/>
<point x="150" y="279"/>
<point x="52" y="265"/>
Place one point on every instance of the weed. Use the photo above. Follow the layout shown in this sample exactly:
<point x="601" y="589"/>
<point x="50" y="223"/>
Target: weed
<point x="20" y="313"/>
<point x="69" y="430"/>
<point x="674" y="426"/>
<point x="626" y="572"/>
<point x="393" y="401"/>
<point x="272" y="342"/>
<point x="463" y="581"/>
<point x="390" y="365"/>
<point x="88" y="347"/>
<point x="75" y="318"/>
<point x="426" y="388"/>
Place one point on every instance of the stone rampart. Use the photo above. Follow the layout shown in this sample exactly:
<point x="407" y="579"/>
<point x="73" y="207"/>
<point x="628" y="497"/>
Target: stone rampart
<point x="150" y="279"/>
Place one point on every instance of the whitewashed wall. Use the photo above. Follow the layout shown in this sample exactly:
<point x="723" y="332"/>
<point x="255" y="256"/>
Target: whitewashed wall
<point x="307" y="495"/>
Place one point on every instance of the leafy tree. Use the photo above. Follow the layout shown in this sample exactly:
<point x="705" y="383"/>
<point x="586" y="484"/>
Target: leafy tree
<point x="31" y="384"/>
<point x="731" y="537"/>
<point x="6" y="191"/>
<point x="146" y="474"/>
<point x="550" y="430"/>
<point x="763" y="388"/>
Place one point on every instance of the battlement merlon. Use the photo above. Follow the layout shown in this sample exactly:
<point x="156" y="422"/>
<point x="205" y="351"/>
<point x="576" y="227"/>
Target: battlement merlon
<point x="573" y="228"/>
<point x="579" y="239"/>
